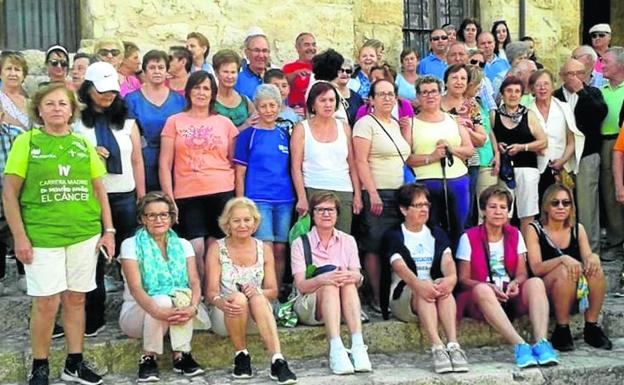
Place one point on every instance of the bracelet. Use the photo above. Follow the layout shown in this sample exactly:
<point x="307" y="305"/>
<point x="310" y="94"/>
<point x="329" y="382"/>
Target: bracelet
<point x="196" y="307"/>
<point x="526" y="147"/>
<point x="110" y="230"/>
<point x="215" y="298"/>
<point x="427" y="159"/>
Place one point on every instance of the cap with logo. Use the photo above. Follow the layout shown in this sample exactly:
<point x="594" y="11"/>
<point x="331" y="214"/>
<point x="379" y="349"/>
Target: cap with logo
<point x="103" y="76"/>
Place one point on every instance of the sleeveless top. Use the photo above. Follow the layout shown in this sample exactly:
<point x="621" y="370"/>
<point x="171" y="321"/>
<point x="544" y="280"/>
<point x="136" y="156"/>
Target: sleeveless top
<point x="13" y="111"/>
<point x="325" y="164"/>
<point x="232" y="274"/>
<point x="521" y="134"/>
<point x="237" y="114"/>
<point x="549" y="250"/>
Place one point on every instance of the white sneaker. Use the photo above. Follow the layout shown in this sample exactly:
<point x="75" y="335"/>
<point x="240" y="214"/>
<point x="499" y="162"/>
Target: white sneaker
<point x="359" y="356"/>
<point x="339" y="362"/>
<point x="21" y="283"/>
<point x="2" y="287"/>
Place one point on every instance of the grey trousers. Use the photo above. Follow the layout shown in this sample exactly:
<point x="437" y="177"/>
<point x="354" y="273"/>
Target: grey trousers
<point x="587" y="198"/>
<point x="614" y="211"/>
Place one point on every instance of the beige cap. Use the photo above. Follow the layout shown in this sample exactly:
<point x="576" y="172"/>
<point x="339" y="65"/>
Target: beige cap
<point x="604" y="27"/>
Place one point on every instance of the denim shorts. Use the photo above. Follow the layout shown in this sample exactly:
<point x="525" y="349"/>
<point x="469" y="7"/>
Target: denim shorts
<point x="275" y="221"/>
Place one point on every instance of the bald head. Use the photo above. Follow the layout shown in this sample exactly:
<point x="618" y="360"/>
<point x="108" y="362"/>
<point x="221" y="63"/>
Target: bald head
<point x="457" y="54"/>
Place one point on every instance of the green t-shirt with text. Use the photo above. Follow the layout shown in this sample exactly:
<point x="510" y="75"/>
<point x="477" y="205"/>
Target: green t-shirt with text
<point x="58" y="203"/>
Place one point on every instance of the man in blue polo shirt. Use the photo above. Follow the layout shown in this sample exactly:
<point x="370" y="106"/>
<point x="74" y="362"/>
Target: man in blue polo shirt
<point x="495" y="67"/>
<point x="257" y="52"/>
<point x="435" y="64"/>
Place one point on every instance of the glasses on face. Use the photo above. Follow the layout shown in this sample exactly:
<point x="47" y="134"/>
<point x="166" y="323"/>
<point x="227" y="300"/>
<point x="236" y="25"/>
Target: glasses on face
<point x="58" y="63"/>
<point x="558" y="202"/>
<point x="421" y="205"/>
<point x="430" y="93"/>
<point x="325" y="210"/>
<point x="476" y="62"/>
<point x="597" y="35"/>
<point x="436" y="38"/>
<point x="574" y="73"/>
<point x="105" y="52"/>
<point x="152" y="217"/>
<point x="348" y="71"/>
<point x="258" y="51"/>
<point x="385" y="95"/>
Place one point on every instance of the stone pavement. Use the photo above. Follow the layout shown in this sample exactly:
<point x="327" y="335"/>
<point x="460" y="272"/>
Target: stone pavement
<point x="489" y="366"/>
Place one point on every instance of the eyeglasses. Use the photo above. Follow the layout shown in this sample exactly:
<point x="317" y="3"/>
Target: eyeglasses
<point x="325" y="210"/>
<point x="385" y="95"/>
<point x="558" y="202"/>
<point x="596" y="35"/>
<point x="429" y="93"/>
<point x="476" y="62"/>
<point x="421" y="205"/>
<point x="259" y="51"/>
<point x="348" y="71"/>
<point x="151" y="217"/>
<point x="436" y="38"/>
<point x="58" y="63"/>
<point x="105" y="52"/>
<point x="574" y="73"/>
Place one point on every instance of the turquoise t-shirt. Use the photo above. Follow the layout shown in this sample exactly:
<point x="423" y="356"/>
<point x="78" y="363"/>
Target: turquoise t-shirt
<point x="58" y="203"/>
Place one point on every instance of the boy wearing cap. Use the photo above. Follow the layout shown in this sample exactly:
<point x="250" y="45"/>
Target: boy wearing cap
<point x="600" y="38"/>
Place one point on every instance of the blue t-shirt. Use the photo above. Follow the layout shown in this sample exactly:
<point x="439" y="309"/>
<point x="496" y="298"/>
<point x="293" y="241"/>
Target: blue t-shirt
<point x="495" y="70"/>
<point x="406" y="90"/>
<point x="247" y="83"/>
<point x="266" y="155"/>
<point x="151" y="119"/>
<point x="432" y="65"/>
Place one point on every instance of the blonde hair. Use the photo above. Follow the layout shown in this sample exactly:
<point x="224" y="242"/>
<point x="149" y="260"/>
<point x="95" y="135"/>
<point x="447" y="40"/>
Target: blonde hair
<point x="108" y="40"/>
<point x="236" y="203"/>
<point x="549" y="195"/>
<point x="42" y="92"/>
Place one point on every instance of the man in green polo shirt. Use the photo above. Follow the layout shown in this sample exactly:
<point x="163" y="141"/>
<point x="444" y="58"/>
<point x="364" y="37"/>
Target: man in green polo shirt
<point x="613" y="93"/>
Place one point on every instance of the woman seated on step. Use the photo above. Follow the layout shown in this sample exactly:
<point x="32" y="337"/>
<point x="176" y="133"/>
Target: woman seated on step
<point x="162" y="290"/>
<point x="560" y="254"/>
<point x="326" y="269"/>
<point x="418" y="277"/>
<point x="240" y="285"/>
<point x="494" y="282"/>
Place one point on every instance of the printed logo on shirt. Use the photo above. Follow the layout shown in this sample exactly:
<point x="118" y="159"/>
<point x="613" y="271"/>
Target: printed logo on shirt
<point x="35" y="153"/>
<point x="283" y="148"/>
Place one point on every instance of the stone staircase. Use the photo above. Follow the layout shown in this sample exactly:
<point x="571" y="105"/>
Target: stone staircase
<point x="399" y="351"/>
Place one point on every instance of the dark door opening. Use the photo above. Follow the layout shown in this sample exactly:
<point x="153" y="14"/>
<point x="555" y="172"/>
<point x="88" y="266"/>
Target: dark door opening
<point x="594" y="12"/>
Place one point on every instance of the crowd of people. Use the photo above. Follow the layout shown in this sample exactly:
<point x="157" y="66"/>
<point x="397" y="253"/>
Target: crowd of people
<point x="466" y="184"/>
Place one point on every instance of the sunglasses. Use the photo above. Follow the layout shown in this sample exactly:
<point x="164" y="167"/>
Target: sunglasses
<point x="105" y="52"/>
<point x="58" y="63"/>
<point x="476" y="62"/>
<point x="558" y="202"/>
<point x="348" y="71"/>
<point x="436" y="38"/>
<point x="596" y="35"/>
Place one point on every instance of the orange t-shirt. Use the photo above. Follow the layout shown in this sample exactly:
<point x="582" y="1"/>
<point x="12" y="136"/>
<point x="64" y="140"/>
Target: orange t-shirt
<point x="619" y="143"/>
<point x="201" y="165"/>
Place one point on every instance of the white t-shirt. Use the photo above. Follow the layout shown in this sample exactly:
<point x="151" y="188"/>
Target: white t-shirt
<point x="421" y="246"/>
<point x="497" y="257"/>
<point x="128" y="251"/>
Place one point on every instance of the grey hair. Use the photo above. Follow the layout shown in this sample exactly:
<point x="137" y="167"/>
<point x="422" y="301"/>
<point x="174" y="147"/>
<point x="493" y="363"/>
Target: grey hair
<point x="428" y="79"/>
<point x="248" y="39"/>
<point x="348" y="62"/>
<point x="267" y="91"/>
<point x="521" y="67"/>
<point x="587" y="50"/>
<point x="618" y="52"/>
<point x="515" y="49"/>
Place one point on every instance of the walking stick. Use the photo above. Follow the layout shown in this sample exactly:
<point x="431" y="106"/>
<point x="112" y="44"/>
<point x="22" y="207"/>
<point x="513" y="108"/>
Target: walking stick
<point x="443" y="162"/>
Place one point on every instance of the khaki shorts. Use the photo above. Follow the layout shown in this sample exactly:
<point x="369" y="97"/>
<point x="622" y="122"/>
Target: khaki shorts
<point x="305" y="308"/>
<point x="401" y="307"/>
<point x="217" y="321"/>
<point x="56" y="269"/>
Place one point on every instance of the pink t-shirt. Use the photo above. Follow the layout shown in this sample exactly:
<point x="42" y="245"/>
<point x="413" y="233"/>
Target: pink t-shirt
<point x="132" y="83"/>
<point x="342" y="252"/>
<point x="201" y="165"/>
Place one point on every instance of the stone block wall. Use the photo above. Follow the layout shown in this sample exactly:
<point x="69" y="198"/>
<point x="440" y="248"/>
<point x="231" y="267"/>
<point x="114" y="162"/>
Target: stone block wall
<point x="339" y="24"/>
<point x="554" y="24"/>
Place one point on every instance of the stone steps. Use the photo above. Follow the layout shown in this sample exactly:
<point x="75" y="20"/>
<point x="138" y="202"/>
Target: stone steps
<point x="488" y="366"/>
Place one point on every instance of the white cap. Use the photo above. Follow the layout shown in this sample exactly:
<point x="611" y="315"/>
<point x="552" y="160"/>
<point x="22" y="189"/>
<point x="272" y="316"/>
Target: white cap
<point x="604" y="27"/>
<point x="104" y="76"/>
<point x="254" y="31"/>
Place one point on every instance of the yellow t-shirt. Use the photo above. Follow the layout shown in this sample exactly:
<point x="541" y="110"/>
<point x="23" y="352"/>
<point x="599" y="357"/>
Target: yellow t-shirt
<point x="425" y="135"/>
<point x="384" y="161"/>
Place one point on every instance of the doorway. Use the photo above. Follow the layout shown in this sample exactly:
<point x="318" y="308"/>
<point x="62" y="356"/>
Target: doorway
<point x="594" y="12"/>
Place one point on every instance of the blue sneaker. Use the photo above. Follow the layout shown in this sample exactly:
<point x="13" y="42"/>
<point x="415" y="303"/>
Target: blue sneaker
<point x="545" y="354"/>
<point x="524" y="356"/>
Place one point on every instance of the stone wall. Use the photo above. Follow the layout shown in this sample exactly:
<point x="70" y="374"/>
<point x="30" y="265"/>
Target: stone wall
<point x="339" y="24"/>
<point x="554" y="24"/>
<point x="617" y="25"/>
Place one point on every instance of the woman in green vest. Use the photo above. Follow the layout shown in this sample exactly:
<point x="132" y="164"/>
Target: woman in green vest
<point x="57" y="209"/>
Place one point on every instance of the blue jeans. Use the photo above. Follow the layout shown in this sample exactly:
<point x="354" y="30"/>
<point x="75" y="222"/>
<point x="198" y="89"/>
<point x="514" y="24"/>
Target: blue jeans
<point x="275" y="221"/>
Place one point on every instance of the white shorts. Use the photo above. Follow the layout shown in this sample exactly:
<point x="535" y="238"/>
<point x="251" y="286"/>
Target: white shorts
<point x="401" y="307"/>
<point x="526" y="193"/>
<point x="56" y="269"/>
